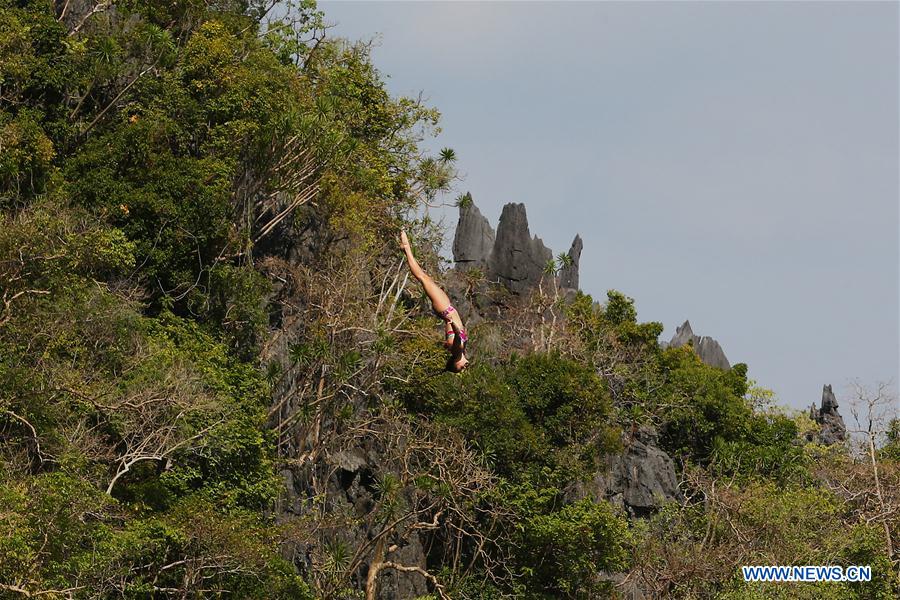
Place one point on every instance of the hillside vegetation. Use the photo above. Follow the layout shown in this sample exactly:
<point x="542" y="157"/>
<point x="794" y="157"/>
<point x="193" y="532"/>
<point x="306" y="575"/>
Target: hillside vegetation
<point x="216" y="379"/>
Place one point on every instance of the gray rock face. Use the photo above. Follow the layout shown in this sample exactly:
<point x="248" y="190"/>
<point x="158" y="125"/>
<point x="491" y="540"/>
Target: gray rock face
<point x="831" y="424"/>
<point x="399" y="585"/>
<point x="568" y="275"/>
<point x="512" y="255"/>
<point x="354" y="484"/>
<point x="641" y="478"/>
<point x="349" y="460"/>
<point x="708" y="349"/>
<point x="517" y="259"/>
<point x="474" y="239"/>
<point x="351" y="489"/>
<point x="829" y="402"/>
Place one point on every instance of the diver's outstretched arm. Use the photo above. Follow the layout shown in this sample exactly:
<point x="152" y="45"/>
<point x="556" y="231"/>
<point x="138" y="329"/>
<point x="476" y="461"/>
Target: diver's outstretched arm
<point x="439" y="300"/>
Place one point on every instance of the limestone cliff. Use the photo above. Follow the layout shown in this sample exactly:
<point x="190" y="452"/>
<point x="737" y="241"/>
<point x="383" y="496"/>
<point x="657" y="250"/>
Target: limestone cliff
<point x="474" y="239"/>
<point x="512" y="256"/>
<point x="568" y="275"/>
<point x="708" y="349"/>
<point x="831" y="424"/>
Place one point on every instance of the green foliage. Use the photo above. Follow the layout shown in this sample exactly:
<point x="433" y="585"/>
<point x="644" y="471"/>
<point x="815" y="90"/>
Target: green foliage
<point x="95" y="379"/>
<point x="891" y="449"/>
<point x="540" y="421"/>
<point x="613" y="328"/>
<point x="706" y="405"/>
<point x="237" y="304"/>
<point x="157" y="158"/>
<point x="142" y="152"/>
<point x="464" y="200"/>
<point x="568" y="401"/>
<point x="534" y="411"/>
<point x="795" y="526"/>
<point x="235" y="462"/>
<point x="484" y="406"/>
<point x="45" y="248"/>
<point x="26" y="163"/>
<point x="112" y="378"/>
<point x="705" y="415"/>
<point x="627" y="352"/>
<point x="768" y="447"/>
<point x="146" y="149"/>
<point x="696" y="550"/>
<point x="560" y="547"/>
<point x="66" y="527"/>
<point x="164" y="170"/>
<point x="620" y="308"/>
<point x="566" y="549"/>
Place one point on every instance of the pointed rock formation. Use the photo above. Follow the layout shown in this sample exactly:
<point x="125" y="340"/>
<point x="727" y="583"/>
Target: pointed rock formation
<point x="518" y="259"/>
<point x="474" y="239"/>
<point x="831" y="424"/>
<point x="511" y="256"/>
<point x="708" y="349"/>
<point x="568" y="275"/>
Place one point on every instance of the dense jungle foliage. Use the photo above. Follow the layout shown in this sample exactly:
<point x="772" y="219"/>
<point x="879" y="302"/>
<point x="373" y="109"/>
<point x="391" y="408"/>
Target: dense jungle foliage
<point x="202" y="298"/>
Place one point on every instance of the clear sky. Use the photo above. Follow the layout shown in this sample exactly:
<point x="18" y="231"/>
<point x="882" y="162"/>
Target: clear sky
<point x="731" y="163"/>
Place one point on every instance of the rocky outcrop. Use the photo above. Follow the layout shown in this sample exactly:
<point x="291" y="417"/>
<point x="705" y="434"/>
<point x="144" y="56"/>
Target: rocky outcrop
<point x="708" y="349"/>
<point x="831" y="424"/>
<point x="511" y="256"/>
<point x="568" y="275"/>
<point x="352" y="491"/>
<point x="517" y="259"/>
<point x="474" y="239"/>
<point x="640" y="479"/>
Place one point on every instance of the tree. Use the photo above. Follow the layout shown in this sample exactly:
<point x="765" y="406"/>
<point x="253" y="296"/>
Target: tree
<point x="872" y="410"/>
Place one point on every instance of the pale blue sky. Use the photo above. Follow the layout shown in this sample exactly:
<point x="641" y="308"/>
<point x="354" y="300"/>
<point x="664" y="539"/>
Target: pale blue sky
<point x="731" y="163"/>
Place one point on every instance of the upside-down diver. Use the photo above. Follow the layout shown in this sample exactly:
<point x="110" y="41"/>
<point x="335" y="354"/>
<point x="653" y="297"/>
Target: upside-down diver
<point x="455" y="337"/>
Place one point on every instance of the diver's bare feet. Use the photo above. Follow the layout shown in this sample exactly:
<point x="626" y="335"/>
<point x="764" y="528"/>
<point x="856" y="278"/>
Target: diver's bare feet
<point x="404" y="241"/>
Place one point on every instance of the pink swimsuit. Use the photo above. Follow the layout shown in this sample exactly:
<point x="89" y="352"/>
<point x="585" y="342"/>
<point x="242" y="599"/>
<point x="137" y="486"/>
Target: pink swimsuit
<point x="445" y="315"/>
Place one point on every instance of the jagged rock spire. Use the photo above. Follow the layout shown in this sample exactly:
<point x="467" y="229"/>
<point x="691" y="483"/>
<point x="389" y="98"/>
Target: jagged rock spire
<point x="831" y="424"/>
<point x="474" y="239"/>
<point x="517" y="259"/>
<point x="512" y="255"/>
<point x="708" y="349"/>
<point x="568" y="275"/>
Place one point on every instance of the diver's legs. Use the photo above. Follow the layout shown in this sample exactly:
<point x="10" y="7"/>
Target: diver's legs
<point x="439" y="299"/>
